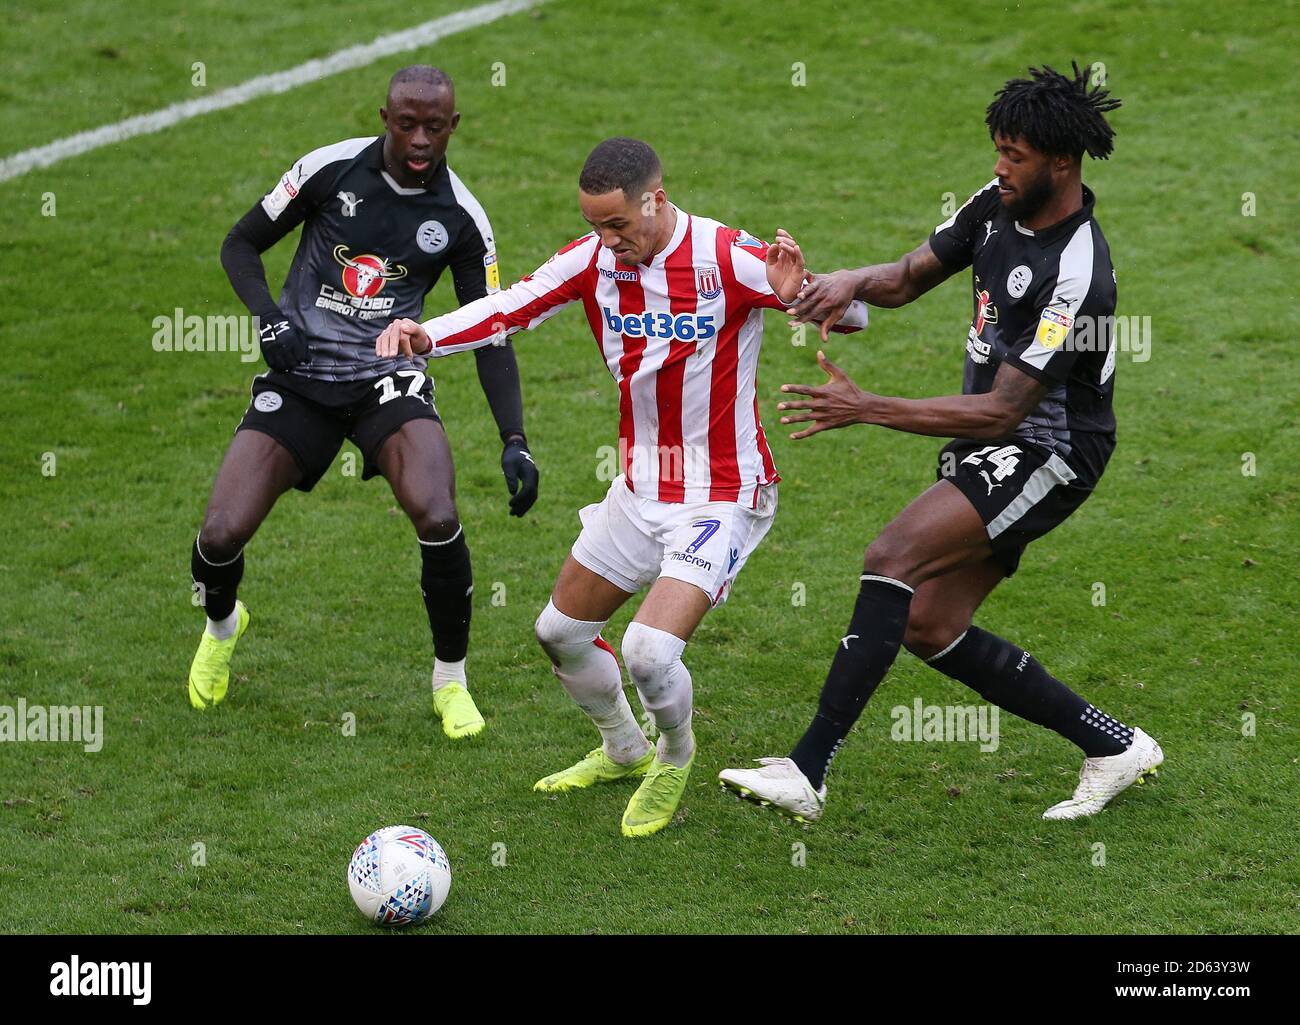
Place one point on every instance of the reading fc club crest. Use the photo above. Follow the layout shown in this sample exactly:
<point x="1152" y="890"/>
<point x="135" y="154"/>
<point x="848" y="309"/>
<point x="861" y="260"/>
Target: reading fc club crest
<point x="707" y="283"/>
<point x="1018" y="281"/>
<point x="431" y="237"/>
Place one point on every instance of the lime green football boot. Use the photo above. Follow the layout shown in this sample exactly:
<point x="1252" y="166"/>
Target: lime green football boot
<point x="460" y="716"/>
<point x="656" y="799"/>
<point x="597" y="767"/>
<point x="210" y="670"/>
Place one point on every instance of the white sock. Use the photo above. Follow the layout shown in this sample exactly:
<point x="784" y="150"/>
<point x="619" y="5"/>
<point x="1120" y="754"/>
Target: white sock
<point x="586" y="666"/>
<point x="654" y="661"/>
<point x="448" y="672"/>
<point x="224" y="629"/>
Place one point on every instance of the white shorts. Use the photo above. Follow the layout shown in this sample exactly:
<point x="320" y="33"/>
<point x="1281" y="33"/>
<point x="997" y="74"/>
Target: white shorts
<point x="632" y="541"/>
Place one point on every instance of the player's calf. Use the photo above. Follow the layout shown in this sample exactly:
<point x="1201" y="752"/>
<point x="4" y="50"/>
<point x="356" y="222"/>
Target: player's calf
<point x="1015" y="681"/>
<point x="447" y="585"/>
<point x="654" y="662"/>
<point x="216" y="571"/>
<point x="1116" y="756"/>
<point x="585" y="664"/>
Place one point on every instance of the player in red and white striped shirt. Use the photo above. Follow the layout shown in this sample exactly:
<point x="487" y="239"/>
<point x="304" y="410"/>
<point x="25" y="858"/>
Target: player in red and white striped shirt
<point x="675" y="303"/>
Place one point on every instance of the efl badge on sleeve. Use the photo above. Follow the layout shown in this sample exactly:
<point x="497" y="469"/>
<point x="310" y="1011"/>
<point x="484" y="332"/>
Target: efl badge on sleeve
<point x="1053" y="327"/>
<point x="492" y="271"/>
<point x="275" y="201"/>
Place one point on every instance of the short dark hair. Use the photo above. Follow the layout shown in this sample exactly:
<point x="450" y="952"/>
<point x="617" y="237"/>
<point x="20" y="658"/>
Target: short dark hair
<point x="620" y="163"/>
<point x="1055" y="114"/>
<point x="422" y="73"/>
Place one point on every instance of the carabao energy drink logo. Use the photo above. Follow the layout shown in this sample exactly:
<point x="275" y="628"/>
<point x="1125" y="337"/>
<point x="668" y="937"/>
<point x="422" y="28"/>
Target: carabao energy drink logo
<point x="364" y="276"/>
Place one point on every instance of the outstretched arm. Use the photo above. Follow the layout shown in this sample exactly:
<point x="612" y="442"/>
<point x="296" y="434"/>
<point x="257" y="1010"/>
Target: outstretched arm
<point x="525" y="304"/>
<point x="785" y="275"/>
<point x="826" y="296"/>
<point x="841" y="403"/>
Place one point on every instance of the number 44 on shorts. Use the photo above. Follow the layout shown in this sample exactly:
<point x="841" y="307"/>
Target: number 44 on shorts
<point x="1002" y="459"/>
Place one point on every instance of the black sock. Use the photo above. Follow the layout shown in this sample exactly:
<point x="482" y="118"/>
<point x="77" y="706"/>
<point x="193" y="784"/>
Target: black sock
<point x="1013" y="679"/>
<point x="447" y="582"/>
<point x="864" y="655"/>
<point x="218" y="582"/>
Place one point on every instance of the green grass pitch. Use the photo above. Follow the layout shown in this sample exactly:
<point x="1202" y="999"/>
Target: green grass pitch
<point x="1196" y="640"/>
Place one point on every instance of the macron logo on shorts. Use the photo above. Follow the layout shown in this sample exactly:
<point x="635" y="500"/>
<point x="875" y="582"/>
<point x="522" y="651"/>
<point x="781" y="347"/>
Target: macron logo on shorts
<point x="693" y="560"/>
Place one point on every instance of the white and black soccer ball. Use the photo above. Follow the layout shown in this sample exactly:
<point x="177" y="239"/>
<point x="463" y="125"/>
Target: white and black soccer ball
<point x="399" y="875"/>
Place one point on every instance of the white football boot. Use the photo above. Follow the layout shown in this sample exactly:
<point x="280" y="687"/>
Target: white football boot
<point x="1101" y="779"/>
<point x="779" y="784"/>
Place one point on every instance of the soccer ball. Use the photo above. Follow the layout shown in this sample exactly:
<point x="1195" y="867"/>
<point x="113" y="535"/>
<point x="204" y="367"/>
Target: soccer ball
<point x="399" y="875"/>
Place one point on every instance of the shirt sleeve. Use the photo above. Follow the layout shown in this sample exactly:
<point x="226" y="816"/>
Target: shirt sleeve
<point x="474" y="271"/>
<point x="473" y="263"/>
<point x="1045" y="350"/>
<point x="306" y="185"/>
<point x="300" y="190"/>
<point x="241" y="258"/>
<point x="749" y="262"/>
<point x="953" y="241"/>
<point x="530" y="301"/>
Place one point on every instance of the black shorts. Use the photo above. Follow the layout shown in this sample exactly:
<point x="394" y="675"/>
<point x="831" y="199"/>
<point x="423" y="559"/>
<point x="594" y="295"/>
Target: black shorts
<point x="1021" y="490"/>
<point x="311" y="418"/>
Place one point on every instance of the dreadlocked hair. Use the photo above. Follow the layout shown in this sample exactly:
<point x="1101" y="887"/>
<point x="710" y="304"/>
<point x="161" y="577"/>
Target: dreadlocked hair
<point x="1055" y="114"/>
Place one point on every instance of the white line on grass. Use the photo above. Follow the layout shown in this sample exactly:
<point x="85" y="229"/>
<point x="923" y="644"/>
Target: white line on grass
<point x="262" y="85"/>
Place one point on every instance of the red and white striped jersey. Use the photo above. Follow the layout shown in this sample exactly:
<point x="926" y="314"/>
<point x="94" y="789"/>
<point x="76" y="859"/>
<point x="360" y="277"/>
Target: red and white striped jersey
<point x="680" y="335"/>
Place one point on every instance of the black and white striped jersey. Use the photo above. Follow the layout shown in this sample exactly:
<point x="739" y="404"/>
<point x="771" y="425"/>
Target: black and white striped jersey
<point x="1044" y="301"/>
<point x="370" y="251"/>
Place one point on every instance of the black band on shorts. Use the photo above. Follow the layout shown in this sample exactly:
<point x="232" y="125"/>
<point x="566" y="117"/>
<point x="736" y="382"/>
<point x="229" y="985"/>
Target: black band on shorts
<point x="312" y="418"/>
<point x="1020" y="490"/>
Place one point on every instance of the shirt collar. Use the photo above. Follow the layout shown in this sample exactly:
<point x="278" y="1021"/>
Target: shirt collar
<point x="1052" y="232"/>
<point x="375" y="160"/>
<point x="679" y="233"/>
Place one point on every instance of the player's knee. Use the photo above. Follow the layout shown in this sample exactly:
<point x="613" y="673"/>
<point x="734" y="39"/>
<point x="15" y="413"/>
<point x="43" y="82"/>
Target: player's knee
<point x="928" y="633"/>
<point x="559" y="634"/>
<point x="546" y="628"/>
<point x="436" y="522"/>
<point x="653" y="660"/>
<point x="890" y="555"/>
<point x="646" y="659"/>
<point x="222" y="537"/>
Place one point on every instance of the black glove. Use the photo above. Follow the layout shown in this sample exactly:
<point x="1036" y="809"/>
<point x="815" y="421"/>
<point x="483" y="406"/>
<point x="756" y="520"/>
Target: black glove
<point x="283" y="347"/>
<point x="521" y="475"/>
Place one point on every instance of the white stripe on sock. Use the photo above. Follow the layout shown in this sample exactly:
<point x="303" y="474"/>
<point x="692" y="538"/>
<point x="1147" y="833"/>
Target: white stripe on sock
<point x="199" y="548"/>
<point x="935" y="658"/>
<point x="889" y="580"/>
<point x="435" y="544"/>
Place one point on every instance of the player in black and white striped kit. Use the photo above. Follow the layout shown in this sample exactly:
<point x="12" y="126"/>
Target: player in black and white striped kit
<point x="382" y="218"/>
<point x="1033" y="426"/>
